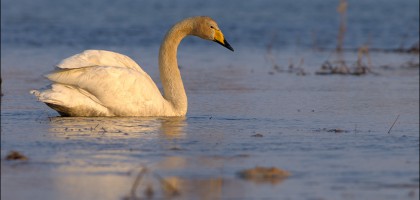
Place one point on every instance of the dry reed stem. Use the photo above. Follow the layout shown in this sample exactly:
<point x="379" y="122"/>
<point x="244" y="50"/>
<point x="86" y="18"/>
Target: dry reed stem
<point x="341" y="9"/>
<point x="137" y="183"/>
<point x="173" y="191"/>
<point x="149" y="192"/>
<point x="389" y="131"/>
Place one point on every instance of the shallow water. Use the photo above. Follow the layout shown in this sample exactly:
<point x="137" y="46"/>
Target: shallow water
<point x="232" y="98"/>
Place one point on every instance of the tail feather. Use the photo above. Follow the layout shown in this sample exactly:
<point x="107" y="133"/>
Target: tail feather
<point x="70" y="101"/>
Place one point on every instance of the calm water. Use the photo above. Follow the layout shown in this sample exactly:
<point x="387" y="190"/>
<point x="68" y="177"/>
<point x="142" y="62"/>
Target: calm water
<point x="232" y="96"/>
<point x="104" y="23"/>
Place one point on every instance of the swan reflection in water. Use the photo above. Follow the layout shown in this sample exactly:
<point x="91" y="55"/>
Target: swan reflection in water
<point x="117" y="127"/>
<point x="114" y="173"/>
<point x="119" y="173"/>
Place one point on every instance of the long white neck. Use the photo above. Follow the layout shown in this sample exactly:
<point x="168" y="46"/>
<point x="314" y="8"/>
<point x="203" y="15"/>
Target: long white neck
<point x="173" y="88"/>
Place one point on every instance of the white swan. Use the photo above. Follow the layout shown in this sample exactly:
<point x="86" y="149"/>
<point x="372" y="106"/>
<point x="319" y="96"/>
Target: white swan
<point x="104" y="83"/>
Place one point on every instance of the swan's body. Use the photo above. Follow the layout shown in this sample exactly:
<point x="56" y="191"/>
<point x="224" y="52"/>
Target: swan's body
<point x="104" y="83"/>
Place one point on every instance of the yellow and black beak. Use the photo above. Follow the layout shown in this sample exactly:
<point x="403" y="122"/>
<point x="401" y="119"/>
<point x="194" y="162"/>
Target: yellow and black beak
<point x="219" y="38"/>
<point x="225" y="44"/>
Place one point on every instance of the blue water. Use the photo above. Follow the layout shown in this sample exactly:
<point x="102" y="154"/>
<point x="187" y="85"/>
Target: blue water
<point x="232" y="96"/>
<point x="255" y="23"/>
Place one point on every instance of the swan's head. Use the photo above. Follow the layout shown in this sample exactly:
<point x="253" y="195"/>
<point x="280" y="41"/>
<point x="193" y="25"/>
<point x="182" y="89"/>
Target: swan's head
<point x="207" y="28"/>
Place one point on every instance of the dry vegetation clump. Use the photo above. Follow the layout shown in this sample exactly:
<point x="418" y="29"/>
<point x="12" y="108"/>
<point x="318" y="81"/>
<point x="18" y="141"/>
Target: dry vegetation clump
<point x="337" y="130"/>
<point x="414" y="49"/>
<point x="271" y="175"/>
<point x="340" y="66"/>
<point x="15" y="155"/>
<point x="257" y="135"/>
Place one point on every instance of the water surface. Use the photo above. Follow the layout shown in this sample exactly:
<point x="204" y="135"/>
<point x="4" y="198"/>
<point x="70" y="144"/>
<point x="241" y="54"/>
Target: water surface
<point x="329" y="132"/>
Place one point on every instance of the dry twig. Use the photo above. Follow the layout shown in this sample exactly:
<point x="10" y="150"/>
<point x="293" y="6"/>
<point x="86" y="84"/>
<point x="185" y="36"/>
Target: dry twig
<point x="389" y="131"/>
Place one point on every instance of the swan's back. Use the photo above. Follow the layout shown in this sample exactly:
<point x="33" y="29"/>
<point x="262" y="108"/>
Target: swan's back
<point x="90" y="58"/>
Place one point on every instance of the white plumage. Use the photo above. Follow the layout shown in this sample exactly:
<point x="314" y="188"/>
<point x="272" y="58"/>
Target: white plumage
<point x="104" y="83"/>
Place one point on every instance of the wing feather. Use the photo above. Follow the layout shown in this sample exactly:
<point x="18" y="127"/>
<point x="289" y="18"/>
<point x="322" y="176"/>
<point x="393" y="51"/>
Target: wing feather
<point x="116" y="88"/>
<point x="91" y="58"/>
